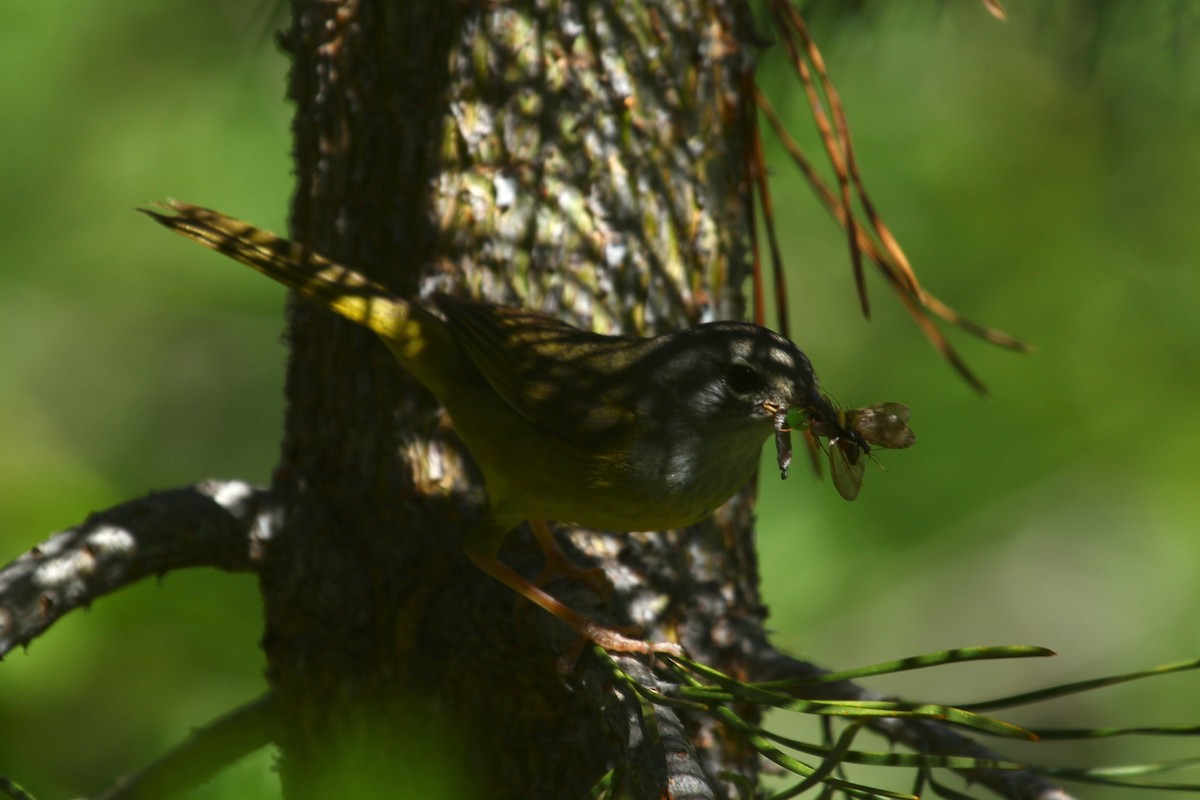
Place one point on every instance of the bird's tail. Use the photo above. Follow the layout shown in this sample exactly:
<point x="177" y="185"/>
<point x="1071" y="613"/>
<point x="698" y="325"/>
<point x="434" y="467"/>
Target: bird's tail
<point x="330" y="284"/>
<point x="420" y="341"/>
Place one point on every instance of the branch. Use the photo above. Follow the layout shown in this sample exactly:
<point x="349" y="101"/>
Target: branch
<point x="765" y="663"/>
<point x="660" y="760"/>
<point x="222" y="524"/>
<point x="202" y="755"/>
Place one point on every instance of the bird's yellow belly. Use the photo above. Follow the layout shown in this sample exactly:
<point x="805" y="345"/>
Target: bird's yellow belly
<point x="628" y="493"/>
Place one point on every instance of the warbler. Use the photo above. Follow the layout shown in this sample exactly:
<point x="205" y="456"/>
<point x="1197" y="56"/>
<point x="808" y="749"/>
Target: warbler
<point x="611" y="432"/>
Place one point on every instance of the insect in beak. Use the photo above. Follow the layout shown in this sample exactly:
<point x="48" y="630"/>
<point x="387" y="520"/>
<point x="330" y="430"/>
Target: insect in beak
<point x="849" y="434"/>
<point x="783" y="443"/>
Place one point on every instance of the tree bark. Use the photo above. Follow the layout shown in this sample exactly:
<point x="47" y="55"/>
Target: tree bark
<point x="575" y="157"/>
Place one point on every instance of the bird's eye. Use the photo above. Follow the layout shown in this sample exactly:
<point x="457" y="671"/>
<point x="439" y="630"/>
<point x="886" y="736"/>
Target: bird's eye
<point x="743" y="379"/>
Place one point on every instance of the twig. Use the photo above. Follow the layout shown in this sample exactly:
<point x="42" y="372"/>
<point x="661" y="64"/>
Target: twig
<point x="912" y="303"/>
<point x="222" y="524"/>
<point x="836" y="136"/>
<point x="765" y="663"/>
<point x="11" y="789"/>
<point x="204" y="753"/>
<point x="871" y="238"/>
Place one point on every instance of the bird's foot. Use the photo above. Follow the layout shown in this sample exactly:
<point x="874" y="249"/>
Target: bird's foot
<point x="616" y="641"/>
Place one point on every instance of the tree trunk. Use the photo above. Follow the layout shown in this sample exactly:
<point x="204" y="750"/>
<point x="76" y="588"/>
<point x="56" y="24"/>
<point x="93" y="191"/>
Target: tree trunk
<point x="574" y="157"/>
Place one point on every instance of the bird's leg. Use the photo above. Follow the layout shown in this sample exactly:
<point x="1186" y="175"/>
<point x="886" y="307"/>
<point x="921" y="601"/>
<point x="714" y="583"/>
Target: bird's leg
<point x="559" y="565"/>
<point x="481" y="546"/>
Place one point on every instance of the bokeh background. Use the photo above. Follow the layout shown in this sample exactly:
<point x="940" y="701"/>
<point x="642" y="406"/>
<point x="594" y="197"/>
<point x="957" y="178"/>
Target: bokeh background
<point x="1043" y="176"/>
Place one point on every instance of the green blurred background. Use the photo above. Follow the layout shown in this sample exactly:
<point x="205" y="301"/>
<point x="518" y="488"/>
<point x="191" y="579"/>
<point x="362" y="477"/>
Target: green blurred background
<point x="1042" y="180"/>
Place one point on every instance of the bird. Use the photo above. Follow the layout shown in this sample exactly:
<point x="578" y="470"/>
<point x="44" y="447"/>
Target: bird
<point x="619" y="433"/>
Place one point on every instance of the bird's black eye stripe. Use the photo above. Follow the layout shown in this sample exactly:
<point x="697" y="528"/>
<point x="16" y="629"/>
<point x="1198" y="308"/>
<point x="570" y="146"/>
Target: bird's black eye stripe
<point x="743" y="379"/>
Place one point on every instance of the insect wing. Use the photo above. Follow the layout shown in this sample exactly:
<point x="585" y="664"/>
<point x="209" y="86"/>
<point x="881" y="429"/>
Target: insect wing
<point x="846" y="464"/>
<point x="883" y="424"/>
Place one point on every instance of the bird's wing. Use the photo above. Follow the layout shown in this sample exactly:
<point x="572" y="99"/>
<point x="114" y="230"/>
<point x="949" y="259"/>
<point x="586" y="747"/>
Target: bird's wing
<point x="563" y="379"/>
